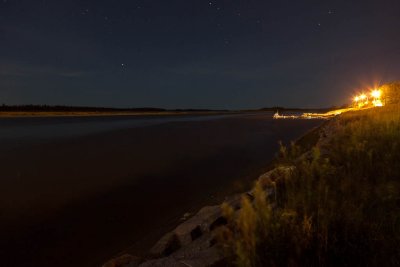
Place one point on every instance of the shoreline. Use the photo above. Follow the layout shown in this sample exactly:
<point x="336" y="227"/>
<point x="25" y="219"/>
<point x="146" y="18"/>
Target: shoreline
<point x="158" y="249"/>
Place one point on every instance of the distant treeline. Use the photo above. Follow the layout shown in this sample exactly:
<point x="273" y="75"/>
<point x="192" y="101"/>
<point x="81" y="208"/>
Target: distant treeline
<point x="48" y="108"/>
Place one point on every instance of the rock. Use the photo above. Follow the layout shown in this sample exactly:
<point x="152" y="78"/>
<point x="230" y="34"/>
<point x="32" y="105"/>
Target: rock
<point x="234" y="201"/>
<point x="125" y="260"/>
<point x="206" y="258"/>
<point x="207" y="219"/>
<point x="198" y="224"/>
<point x="168" y="244"/>
<point x="163" y="262"/>
<point x="209" y="215"/>
<point x="200" y="253"/>
<point x="282" y="172"/>
<point x="186" y="216"/>
<point x="218" y="222"/>
<point x="133" y="263"/>
<point x="194" y="248"/>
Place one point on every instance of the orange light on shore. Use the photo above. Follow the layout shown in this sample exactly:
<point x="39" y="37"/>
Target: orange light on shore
<point x="376" y="93"/>
<point x="372" y="99"/>
<point x="377" y="103"/>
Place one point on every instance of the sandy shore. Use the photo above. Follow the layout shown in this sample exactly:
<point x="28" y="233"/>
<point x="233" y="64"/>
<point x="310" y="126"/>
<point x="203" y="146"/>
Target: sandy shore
<point x="79" y="201"/>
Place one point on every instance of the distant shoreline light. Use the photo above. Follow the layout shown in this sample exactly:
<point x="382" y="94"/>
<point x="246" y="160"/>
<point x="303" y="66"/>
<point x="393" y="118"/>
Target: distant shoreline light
<point x="374" y="99"/>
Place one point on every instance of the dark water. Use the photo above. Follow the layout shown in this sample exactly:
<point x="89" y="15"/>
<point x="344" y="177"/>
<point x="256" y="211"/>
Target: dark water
<point x="45" y="128"/>
<point x="77" y="191"/>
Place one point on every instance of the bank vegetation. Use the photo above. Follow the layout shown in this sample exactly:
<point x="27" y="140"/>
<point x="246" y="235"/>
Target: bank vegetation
<point x="339" y="207"/>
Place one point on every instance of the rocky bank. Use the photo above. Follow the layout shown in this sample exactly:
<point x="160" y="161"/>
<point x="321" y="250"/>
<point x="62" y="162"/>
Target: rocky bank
<point x="194" y="242"/>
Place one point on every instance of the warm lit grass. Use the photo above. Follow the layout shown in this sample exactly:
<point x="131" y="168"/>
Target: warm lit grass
<point x="342" y="209"/>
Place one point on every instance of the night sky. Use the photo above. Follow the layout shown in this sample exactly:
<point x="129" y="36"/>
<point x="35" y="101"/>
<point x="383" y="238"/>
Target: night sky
<point x="195" y="53"/>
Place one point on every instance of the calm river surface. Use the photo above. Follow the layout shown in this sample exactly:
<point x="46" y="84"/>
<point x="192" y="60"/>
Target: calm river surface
<point x="76" y="191"/>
